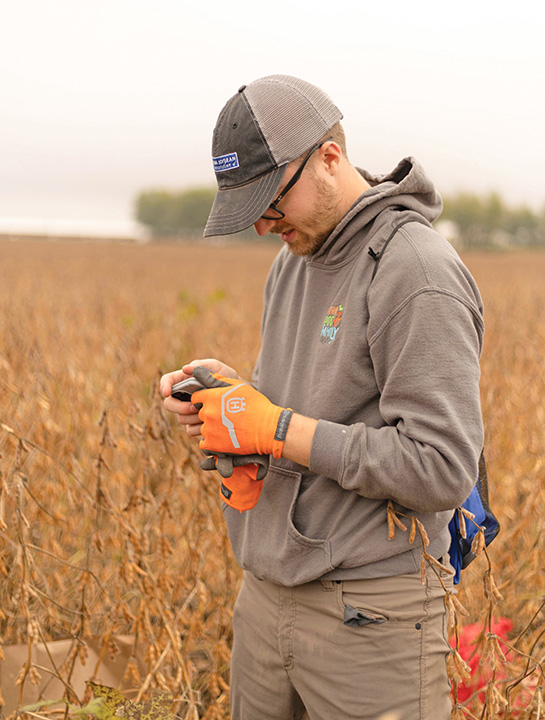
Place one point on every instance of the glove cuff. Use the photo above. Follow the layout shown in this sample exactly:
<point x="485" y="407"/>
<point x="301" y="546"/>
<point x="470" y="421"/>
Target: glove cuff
<point x="281" y="431"/>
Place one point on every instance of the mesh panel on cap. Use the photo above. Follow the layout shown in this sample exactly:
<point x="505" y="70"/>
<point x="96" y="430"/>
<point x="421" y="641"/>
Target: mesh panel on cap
<point x="292" y="114"/>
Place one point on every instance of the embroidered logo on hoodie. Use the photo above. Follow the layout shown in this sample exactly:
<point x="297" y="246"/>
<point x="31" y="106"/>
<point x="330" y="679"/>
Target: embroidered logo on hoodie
<point x="332" y="324"/>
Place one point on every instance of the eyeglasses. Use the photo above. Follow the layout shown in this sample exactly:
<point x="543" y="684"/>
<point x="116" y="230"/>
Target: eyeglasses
<point x="290" y="184"/>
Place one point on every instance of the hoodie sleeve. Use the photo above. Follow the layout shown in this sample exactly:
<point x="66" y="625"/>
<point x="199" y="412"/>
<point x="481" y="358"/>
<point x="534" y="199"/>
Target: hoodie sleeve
<point x="425" y="342"/>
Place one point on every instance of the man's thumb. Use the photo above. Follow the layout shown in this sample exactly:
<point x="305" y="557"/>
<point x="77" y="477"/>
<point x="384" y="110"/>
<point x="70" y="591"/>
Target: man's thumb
<point x="204" y="376"/>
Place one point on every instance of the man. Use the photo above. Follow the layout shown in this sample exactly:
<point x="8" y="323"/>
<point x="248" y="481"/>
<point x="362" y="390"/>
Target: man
<point x="371" y="335"/>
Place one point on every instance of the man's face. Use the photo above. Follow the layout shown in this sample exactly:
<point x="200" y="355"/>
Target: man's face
<point x="311" y="212"/>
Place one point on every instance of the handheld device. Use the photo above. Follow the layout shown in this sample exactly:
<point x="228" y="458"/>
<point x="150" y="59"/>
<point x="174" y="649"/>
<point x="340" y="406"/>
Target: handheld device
<point x="183" y="390"/>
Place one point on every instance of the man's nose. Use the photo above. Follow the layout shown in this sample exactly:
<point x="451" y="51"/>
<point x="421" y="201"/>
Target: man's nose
<point x="262" y="226"/>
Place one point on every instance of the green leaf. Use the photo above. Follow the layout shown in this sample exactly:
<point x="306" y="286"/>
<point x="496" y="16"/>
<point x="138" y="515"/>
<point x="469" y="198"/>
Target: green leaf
<point x="110" y="699"/>
<point x="96" y="707"/>
<point x="40" y="705"/>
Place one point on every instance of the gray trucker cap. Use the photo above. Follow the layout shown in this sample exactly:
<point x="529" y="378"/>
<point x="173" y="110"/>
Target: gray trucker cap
<point x="262" y="128"/>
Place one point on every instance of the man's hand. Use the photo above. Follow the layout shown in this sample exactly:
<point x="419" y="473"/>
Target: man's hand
<point x="186" y="412"/>
<point x="242" y="477"/>
<point x="238" y="419"/>
<point x="301" y="429"/>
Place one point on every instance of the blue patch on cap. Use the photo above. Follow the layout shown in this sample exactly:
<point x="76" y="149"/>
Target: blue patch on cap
<point x="225" y="162"/>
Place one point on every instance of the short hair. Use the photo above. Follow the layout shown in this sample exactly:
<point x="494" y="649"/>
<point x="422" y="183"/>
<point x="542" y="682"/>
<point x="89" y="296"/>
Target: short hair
<point x="336" y="133"/>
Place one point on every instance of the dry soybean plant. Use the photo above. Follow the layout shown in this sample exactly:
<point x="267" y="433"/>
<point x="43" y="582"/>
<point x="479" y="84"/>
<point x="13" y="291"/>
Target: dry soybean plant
<point x="114" y="550"/>
<point x="112" y="539"/>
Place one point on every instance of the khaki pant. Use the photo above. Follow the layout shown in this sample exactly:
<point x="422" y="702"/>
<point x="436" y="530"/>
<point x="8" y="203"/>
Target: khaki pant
<point x="351" y="650"/>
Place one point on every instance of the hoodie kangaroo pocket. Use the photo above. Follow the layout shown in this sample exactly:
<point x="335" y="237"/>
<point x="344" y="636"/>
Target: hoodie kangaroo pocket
<point x="266" y="542"/>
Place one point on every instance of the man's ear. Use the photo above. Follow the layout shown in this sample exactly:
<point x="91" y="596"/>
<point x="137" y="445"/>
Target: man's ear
<point x="330" y="155"/>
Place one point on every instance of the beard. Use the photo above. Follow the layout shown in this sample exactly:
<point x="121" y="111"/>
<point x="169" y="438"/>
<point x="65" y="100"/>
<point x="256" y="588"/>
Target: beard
<point x="317" y="226"/>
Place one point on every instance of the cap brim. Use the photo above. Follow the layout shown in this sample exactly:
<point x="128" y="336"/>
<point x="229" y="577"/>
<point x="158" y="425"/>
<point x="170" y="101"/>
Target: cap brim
<point x="238" y="208"/>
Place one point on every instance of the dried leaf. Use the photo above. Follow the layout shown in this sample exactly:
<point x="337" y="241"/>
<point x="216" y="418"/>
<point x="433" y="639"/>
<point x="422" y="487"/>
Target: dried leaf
<point x="111" y="697"/>
<point x="158" y="708"/>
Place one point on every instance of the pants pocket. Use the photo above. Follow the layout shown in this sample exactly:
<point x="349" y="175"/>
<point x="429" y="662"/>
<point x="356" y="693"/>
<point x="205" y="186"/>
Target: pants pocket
<point x="354" y="617"/>
<point x="381" y="600"/>
<point x="392" y="631"/>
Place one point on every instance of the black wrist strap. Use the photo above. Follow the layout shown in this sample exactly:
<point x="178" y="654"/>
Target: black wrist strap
<point x="282" y="426"/>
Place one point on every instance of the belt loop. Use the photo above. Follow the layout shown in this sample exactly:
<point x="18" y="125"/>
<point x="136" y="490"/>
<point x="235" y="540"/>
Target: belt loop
<point x="327" y="585"/>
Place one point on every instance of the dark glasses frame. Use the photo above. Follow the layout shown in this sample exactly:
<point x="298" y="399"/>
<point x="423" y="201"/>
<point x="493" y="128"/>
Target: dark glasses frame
<point x="291" y="183"/>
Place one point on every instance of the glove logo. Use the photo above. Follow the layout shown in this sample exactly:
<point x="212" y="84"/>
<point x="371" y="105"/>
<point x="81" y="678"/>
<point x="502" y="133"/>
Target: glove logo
<point x="236" y="405"/>
<point x="227" y="422"/>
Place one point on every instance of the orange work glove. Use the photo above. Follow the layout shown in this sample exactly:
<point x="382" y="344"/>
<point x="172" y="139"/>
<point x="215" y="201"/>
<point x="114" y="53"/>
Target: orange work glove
<point x="237" y="418"/>
<point x="242" y="477"/>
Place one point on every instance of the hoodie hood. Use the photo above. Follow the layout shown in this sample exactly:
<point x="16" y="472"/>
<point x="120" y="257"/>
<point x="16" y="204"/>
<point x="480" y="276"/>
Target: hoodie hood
<point x="407" y="187"/>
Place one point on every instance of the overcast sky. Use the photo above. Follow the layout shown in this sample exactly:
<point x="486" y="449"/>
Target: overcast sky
<point x="102" y="99"/>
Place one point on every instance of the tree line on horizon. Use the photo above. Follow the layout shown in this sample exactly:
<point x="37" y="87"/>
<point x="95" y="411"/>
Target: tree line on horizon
<point x="468" y="220"/>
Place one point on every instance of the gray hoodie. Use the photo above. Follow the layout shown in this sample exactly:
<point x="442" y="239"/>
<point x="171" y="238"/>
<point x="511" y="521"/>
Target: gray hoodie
<point x="391" y="371"/>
